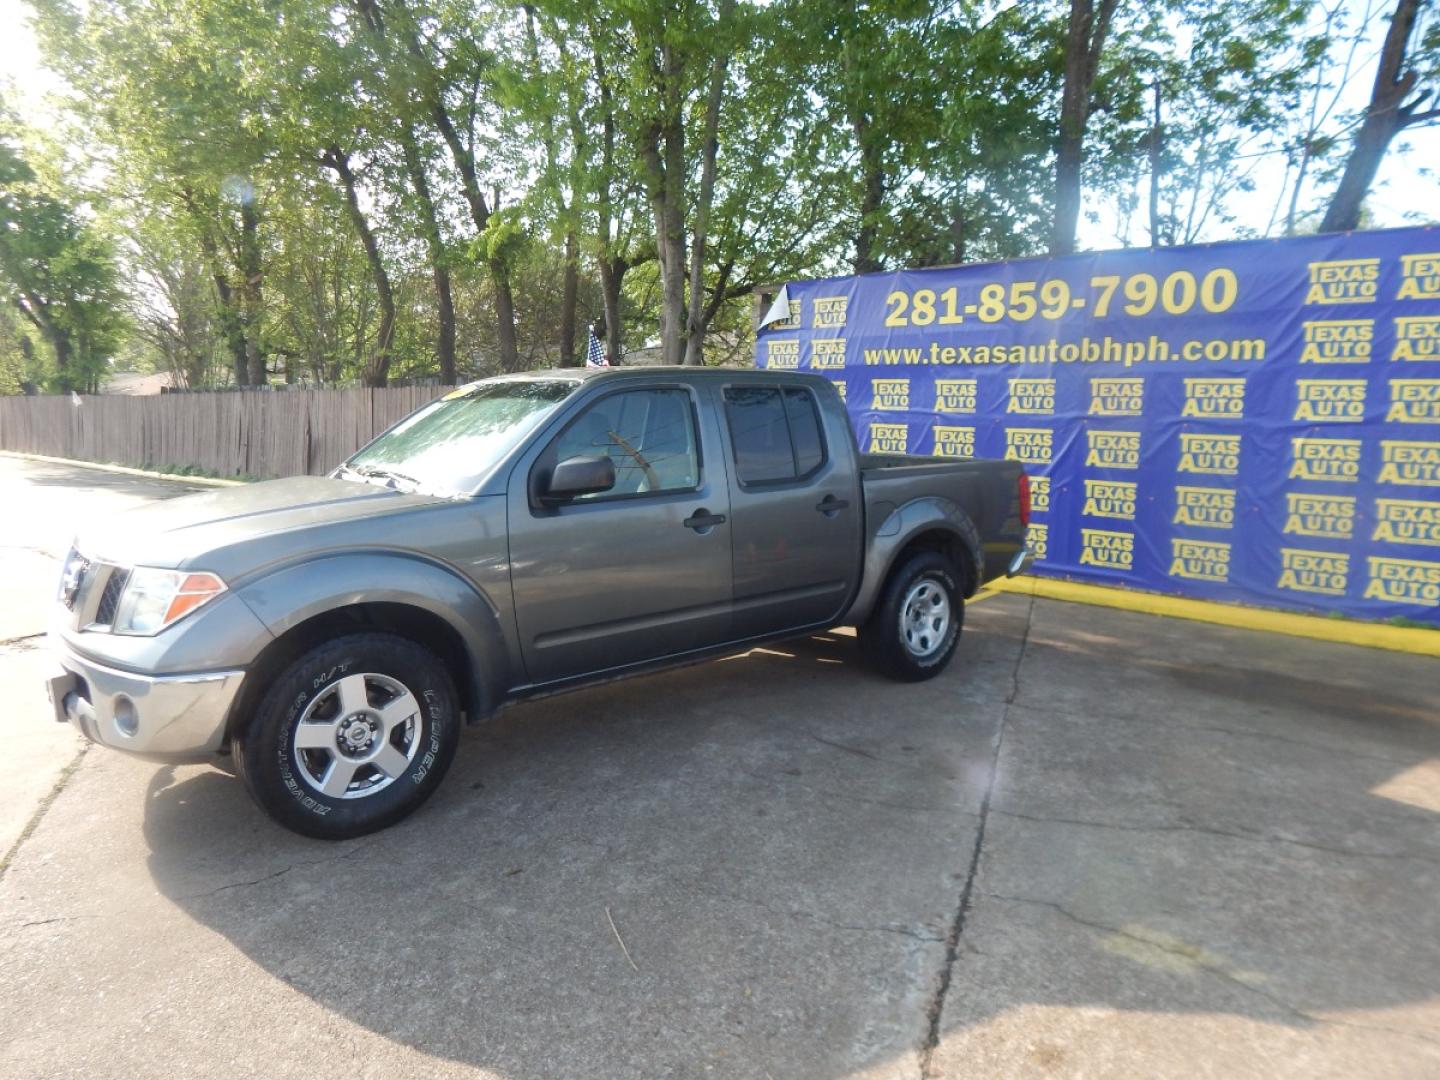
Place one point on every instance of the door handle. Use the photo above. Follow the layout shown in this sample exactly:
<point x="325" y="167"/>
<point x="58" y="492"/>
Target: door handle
<point x="703" y="520"/>
<point x="830" y="505"/>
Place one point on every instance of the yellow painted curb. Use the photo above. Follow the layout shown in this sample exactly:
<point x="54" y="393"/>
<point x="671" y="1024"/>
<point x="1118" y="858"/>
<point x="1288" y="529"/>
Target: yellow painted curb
<point x="1373" y="635"/>
<point x="126" y="470"/>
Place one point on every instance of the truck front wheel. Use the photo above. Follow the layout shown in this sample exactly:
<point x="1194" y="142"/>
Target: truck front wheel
<point x="354" y="735"/>
<point x="912" y="633"/>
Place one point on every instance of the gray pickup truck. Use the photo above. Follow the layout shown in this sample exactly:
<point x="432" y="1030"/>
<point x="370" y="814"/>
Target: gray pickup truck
<point x="520" y="536"/>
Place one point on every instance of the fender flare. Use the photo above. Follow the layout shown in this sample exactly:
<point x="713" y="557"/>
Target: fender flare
<point x="289" y="596"/>
<point x="904" y="524"/>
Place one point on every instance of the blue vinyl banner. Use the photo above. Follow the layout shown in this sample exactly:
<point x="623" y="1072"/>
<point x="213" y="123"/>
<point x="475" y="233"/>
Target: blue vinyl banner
<point x="1256" y="422"/>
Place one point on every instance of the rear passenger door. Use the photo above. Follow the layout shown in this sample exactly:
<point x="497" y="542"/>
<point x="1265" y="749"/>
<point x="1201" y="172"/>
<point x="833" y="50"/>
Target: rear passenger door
<point x="795" y="507"/>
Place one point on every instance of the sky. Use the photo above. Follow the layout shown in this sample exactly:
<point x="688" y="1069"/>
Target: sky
<point x="24" y="80"/>
<point x="1401" y="190"/>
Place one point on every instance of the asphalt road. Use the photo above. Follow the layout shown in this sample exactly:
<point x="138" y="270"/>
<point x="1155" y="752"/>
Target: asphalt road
<point x="1102" y="844"/>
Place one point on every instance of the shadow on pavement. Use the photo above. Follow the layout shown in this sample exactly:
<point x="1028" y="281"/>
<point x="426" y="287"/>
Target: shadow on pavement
<point x="782" y="839"/>
<point x="777" y="842"/>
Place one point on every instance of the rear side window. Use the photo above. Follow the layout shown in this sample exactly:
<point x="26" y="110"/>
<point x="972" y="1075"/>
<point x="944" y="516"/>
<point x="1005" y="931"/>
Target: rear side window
<point x="804" y="430"/>
<point x="775" y="432"/>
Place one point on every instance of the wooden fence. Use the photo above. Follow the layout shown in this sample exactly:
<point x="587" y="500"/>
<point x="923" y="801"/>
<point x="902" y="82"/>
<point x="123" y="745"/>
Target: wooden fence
<point x="255" y="433"/>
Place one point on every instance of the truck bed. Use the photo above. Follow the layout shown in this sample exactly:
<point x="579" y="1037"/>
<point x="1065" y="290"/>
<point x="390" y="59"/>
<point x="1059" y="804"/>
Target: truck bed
<point x="987" y="490"/>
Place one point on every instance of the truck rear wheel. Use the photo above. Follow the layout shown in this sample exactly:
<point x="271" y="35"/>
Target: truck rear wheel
<point x="912" y="633"/>
<point x="353" y="736"/>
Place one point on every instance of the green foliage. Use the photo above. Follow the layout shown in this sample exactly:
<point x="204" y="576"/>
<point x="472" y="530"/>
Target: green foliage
<point x="57" y="270"/>
<point x="328" y="192"/>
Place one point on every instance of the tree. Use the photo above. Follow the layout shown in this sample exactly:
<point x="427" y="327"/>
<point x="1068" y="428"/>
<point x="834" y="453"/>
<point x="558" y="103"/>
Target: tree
<point x="1392" y="108"/>
<point x="172" y="309"/>
<point x="186" y="126"/>
<point x="1195" y="108"/>
<point x="446" y="69"/>
<point x="1085" y="36"/>
<point x="58" y="273"/>
<point x="375" y="190"/>
<point x="417" y="171"/>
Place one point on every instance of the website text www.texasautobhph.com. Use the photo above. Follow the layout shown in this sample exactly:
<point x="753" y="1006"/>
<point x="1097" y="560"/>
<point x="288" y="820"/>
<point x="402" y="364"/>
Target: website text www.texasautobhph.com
<point x="1084" y="350"/>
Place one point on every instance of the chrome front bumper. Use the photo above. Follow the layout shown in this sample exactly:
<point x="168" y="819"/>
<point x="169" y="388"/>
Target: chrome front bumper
<point x="1023" y="560"/>
<point x="173" y="716"/>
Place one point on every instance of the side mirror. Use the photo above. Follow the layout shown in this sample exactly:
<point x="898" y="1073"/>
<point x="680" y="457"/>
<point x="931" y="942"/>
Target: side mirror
<point x="580" y="476"/>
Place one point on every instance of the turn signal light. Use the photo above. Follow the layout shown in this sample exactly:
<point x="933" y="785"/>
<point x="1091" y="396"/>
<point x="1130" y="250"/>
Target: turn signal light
<point x="194" y="591"/>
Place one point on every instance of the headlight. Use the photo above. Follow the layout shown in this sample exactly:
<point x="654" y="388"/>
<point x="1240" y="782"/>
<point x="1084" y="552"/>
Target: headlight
<point x="153" y="599"/>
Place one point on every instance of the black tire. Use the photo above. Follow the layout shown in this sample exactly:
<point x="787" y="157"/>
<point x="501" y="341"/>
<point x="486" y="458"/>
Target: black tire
<point x="286" y="780"/>
<point x="884" y="643"/>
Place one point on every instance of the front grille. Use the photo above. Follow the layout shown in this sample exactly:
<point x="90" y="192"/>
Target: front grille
<point x="110" y="598"/>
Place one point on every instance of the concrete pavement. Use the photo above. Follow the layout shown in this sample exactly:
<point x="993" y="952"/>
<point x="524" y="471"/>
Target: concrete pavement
<point x="1100" y="844"/>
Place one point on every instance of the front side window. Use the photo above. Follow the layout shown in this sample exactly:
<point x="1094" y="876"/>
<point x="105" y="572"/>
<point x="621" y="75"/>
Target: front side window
<point x="775" y="432"/>
<point x="649" y="435"/>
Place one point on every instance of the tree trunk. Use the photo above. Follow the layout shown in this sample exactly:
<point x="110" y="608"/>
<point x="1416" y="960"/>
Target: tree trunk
<point x="435" y="248"/>
<point x="612" y="276"/>
<point x="505" y="317"/>
<point x="1295" y="194"/>
<point x="1154" y="155"/>
<point x="1084" y="41"/>
<point x="377" y="367"/>
<point x="464" y="158"/>
<point x="571" y="273"/>
<point x="957" y="235"/>
<point x="662" y="153"/>
<point x="872" y="199"/>
<point x="60" y="343"/>
<point x="251" y="294"/>
<point x="568" y="299"/>
<point x="1385" y="116"/>
<point x="445" y="318"/>
<point x="669" y="241"/>
<point x="59" y="338"/>
<point x="672" y="250"/>
<point x="695" y="323"/>
<point x="612" y="267"/>
<point x="232" y="322"/>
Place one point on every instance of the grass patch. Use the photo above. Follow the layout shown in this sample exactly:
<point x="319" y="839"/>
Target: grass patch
<point x="195" y="470"/>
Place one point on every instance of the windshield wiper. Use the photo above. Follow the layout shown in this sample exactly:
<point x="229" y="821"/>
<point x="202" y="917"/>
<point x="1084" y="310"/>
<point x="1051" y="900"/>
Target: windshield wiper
<point x="374" y="472"/>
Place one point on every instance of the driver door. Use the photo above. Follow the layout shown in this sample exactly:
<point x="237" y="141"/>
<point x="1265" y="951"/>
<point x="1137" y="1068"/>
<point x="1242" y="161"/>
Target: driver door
<point x="638" y="572"/>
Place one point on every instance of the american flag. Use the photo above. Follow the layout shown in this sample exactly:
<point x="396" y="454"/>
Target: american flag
<point x="595" y="352"/>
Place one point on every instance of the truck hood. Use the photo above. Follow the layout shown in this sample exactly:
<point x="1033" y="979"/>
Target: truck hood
<point x="177" y="532"/>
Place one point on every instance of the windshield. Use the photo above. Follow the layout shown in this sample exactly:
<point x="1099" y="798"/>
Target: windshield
<point x="450" y="444"/>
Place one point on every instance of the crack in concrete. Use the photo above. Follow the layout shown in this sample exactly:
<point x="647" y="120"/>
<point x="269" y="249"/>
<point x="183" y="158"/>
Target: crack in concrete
<point x="936" y="1008"/>
<point x="846" y="797"/>
<point x="40" y="810"/>
<point x="847" y="749"/>
<point x="236" y="885"/>
<point x="1198" y="960"/>
<point x="48" y="553"/>
<point x="187" y="897"/>
<point x="350" y="853"/>
<point x="1255" y="837"/>
<point x="800" y="913"/>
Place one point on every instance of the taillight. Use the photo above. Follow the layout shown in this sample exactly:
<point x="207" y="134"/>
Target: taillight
<point x="1024" y="500"/>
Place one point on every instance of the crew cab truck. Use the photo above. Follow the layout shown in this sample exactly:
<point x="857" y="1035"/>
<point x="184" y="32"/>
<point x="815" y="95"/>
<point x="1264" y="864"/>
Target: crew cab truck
<point x="520" y="536"/>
